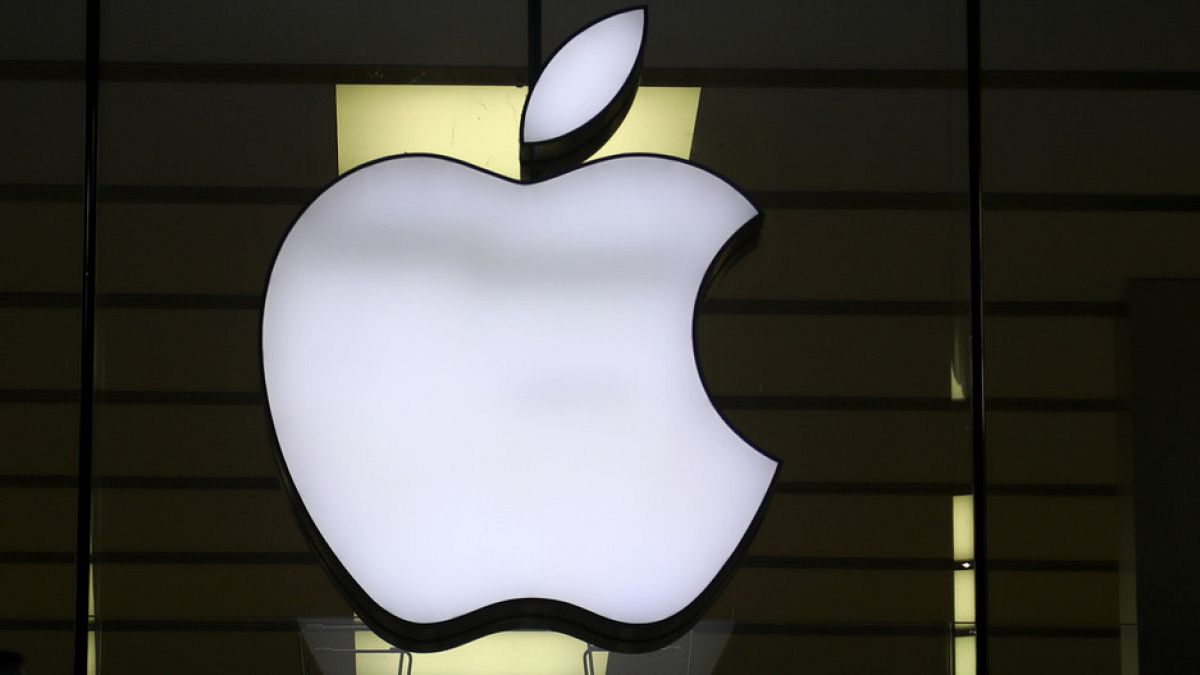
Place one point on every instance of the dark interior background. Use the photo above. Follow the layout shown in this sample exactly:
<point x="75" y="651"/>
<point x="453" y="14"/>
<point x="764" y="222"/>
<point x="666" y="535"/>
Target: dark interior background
<point x="833" y="345"/>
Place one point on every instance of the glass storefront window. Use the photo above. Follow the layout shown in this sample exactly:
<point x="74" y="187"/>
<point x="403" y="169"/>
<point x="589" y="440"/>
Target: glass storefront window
<point x="840" y="343"/>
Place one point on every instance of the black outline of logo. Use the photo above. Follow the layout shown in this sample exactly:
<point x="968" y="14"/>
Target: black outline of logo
<point x="540" y="161"/>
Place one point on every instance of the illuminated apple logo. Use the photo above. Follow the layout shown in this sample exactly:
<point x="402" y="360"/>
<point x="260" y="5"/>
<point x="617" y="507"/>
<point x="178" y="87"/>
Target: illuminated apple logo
<point x="484" y="392"/>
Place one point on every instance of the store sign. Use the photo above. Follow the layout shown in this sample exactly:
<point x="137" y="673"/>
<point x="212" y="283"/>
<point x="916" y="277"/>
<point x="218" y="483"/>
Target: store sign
<point x="484" y="391"/>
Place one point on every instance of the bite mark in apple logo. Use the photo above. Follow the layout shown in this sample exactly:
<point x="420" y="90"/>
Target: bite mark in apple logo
<point x="484" y="394"/>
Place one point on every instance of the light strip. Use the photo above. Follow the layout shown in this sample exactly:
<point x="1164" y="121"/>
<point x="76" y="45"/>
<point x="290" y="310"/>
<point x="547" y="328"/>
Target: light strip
<point x="479" y="124"/>
<point x="964" y="528"/>
<point x="964" y="655"/>
<point x="510" y="653"/>
<point x="963" y="547"/>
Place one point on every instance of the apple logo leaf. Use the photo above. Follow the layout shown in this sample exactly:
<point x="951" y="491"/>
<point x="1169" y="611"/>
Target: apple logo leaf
<point x="582" y="95"/>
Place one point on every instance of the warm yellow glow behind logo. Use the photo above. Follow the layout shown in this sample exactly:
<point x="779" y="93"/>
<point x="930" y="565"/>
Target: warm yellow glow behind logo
<point x="511" y="653"/>
<point x="480" y="125"/>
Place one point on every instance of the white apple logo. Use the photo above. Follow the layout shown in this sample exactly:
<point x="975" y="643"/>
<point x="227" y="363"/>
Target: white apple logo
<point x="484" y="392"/>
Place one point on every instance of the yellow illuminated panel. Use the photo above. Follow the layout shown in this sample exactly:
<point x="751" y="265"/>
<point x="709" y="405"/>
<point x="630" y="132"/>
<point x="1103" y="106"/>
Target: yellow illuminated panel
<point x="963" y="520"/>
<point x="91" y="645"/>
<point x="964" y="655"/>
<point x="956" y="388"/>
<point x="958" y="365"/>
<point x="964" y="596"/>
<point x="661" y="120"/>
<point x="475" y="124"/>
<point x="510" y="653"/>
<point x="480" y="125"/>
<point x="963" y="523"/>
<point x="964" y="528"/>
